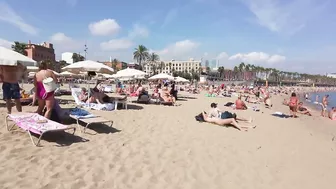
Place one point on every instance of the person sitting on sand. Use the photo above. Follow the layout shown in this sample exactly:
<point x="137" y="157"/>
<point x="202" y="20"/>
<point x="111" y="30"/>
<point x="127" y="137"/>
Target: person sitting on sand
<point x="293" y="103"/>
<point x="223" y="122"/>
<point x="166" y="96"/>
<point x="211" y="89"/>
<point x="303" y="110"/>
<point x="156" y="93"/>
<point x="332" y="113"/>
<point x="285" y="102"/>
<point x="240" y="105"/>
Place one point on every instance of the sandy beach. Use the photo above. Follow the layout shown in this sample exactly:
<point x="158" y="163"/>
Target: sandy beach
<point x="154" y="146"/>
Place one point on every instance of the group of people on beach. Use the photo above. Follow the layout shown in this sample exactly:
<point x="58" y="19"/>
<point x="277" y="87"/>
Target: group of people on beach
<point x="10" y="77"/>
<point x="296" y="106"/>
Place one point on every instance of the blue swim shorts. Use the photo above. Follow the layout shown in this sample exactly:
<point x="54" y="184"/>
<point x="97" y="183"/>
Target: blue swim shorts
<point x="11" y="91"/>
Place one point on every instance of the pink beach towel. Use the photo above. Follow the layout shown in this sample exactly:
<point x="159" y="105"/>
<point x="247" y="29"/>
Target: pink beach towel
<point x="30" y="121"/>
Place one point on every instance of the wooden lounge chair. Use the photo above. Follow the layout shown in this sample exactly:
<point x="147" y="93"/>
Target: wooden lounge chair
<point x="35" y="123"/>
<point x="81" y="115"/>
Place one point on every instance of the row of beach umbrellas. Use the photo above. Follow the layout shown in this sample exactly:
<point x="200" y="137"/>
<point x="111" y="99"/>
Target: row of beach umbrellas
<point x="11" y="58"/>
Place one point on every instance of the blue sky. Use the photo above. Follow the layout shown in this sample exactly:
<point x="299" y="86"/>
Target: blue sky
<point x="293" y="35"/>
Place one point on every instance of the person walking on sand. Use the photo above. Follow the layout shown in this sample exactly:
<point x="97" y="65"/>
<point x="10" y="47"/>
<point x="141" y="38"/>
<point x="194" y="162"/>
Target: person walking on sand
<point x="293" y="104"/>
<point x="10" y="76"/>
<point x="324" y="105"/>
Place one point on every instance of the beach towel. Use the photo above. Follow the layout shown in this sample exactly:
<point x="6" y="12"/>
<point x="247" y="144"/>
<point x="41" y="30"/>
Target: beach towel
<point x="35" y="123"/>
<point x="81" y="114"/>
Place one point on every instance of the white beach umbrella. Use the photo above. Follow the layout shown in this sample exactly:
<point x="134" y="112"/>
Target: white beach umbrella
<point x="129" y="72"/>
<point x="66" y="73"/>
<point x="161" y="76"/>
<point x="11" y="58"/>
<point x="32" y="68"/>
<point x="107" y="76"/>
<point x="181" y="79"/>
<point x="88" y="66"/>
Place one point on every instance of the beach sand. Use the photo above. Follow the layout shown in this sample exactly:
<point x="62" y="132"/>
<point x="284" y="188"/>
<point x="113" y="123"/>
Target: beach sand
<point x="164" y="147"/>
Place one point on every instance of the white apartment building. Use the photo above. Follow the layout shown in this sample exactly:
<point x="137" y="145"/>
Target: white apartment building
<point x="175" y="66"/>
<point x="67" y="57"/>
<point x="332" y="75"/>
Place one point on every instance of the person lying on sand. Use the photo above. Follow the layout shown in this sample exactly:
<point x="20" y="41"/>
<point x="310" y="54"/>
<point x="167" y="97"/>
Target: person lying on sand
<point x="251" y="100"/>
<point x="240" y="105"/>
<point x="216" y="112"/>
<point x="303" y="110"/>
<point x="223" y="122"/>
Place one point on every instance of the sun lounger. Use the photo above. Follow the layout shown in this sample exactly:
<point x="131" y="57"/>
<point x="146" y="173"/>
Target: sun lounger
<point x="35" y="123"/>
<point x="75" y="92"/>
<point x="87" y="118"/>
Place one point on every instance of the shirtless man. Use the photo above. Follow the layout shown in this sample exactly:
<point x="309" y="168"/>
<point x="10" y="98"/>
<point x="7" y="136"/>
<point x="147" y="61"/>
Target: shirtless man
<point x="240" y="105"/>
<point x="324" y="105"/>
<point x="10" y="76"/>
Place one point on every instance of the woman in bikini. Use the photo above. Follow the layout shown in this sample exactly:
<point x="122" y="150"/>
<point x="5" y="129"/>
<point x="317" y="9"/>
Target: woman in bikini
<point x="45" y="99"/>
<point x="293" y="104"/>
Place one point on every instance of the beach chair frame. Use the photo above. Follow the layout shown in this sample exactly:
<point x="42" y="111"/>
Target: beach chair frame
<point x="89" y="121"/>
<point x="41" y="135"/>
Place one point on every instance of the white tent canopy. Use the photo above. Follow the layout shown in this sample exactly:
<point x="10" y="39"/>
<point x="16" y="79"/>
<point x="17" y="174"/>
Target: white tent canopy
<point x="181" y="79"/>
<point x="11" y="58"/>
<point x="88" y="66"/>
<point x="162" y="76"/>
<point x="130" y="72"/>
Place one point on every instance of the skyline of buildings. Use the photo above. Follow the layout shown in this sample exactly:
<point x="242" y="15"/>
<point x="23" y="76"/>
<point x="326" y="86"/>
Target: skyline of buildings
<point x="187" y="66"/>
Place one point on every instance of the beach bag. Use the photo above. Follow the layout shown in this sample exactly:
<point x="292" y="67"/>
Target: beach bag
<point x="199" y="118"/>
<point x="49" y="84"/>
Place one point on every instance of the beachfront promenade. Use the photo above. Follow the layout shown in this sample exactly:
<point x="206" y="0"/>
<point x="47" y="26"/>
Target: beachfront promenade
<point x="154" y="146"/>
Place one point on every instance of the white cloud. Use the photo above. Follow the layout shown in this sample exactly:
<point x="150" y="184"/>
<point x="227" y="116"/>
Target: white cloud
<point x="170" y="16"/>
<point x="72" y="2"/>
<point x="138" y="31"/>
<point x="104" y="27"/>
<point x="222" y="55"/>
<point x="284" y="17"/>
<point x="178" y="50"/>
<point x="64" y="43"/>
<point x="258" y="58"/>
<point x="5" y="43"/>
<point x="7" y="14"/>
<point x="116" y="44"/>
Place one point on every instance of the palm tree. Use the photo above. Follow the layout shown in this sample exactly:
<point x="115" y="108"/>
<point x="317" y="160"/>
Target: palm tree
<point x="115" y="64"/>
<point x="152" y="60"/>
<point x="221" y="72"/>
<point x="241" y="68"/>
<point x="141" y="54"/>
<point x="20" y="47"/>
<point x="76" y="57"/>
<point x="161" y="66"/>
<point x="63" y="63"/>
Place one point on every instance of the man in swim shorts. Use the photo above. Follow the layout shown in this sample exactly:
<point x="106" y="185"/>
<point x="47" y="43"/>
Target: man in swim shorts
<point x="9" y="76"/>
